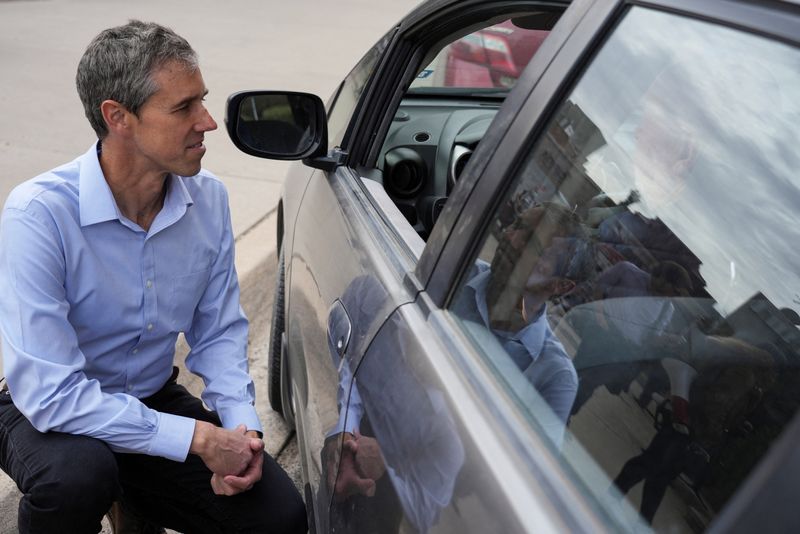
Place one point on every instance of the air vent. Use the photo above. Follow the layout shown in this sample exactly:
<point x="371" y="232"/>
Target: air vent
<point x="461" y="162"/>
<point x="405" y="172"/>
<point x="421" y="137"/>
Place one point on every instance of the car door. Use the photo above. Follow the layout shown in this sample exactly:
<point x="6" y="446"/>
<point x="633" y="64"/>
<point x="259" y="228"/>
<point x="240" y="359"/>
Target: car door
<point x="353" y="252"/>
<point x="654" y="363"/>
<point x="410" y="478"/>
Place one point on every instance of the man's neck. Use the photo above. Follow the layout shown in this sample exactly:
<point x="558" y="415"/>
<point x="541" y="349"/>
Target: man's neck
<point x="139" y="194"/>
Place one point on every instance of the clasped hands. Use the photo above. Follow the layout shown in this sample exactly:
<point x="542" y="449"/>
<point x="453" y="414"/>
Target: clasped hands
<point x="360" y="465"/>
<point x="233" y="456"/>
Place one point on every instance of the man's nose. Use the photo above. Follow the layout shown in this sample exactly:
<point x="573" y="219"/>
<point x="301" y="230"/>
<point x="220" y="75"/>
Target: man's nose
<point x="207" y="122"/>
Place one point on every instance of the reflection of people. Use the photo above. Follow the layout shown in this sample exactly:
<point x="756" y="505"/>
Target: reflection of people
<point x="618" y="339"/>
<point x="394" y="448"/>
<point x="509" y="298"/>
<point x="663" y="156"/>
<point x="664" y="458"/>
<point x="103" y="262"/>
<point x="726" y="387"/>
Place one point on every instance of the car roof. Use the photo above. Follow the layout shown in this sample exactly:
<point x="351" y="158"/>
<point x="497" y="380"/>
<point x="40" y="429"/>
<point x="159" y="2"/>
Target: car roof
<point x="426" y="8"/>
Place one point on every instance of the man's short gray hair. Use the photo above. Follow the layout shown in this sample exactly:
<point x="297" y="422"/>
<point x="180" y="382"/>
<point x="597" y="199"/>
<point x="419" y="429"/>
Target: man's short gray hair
<point x="119" y="63"/>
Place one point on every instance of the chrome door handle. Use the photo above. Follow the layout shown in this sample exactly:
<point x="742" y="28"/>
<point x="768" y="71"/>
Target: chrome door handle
<point x="339" y="329"/>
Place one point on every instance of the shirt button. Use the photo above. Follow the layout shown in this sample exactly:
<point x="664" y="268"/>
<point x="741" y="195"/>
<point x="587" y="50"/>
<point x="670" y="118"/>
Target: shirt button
<point x="130" y="387"/>
<point x="150" y="326"/>
<point x="149" y="284"/>
<point x="136" y="351"/>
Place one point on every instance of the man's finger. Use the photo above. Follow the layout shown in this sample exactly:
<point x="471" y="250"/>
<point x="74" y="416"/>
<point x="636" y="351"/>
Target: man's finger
<point x="256" y="444"/>
<point x="220" y="488"/>
<point x="251" y="475"/>
<point x="351" y="446"/>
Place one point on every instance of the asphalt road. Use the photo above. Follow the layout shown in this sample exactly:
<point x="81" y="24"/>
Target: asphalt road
<point x="307" y="45"/>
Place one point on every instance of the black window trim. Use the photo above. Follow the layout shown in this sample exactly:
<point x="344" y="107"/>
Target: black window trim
<point x="358" y="113"/>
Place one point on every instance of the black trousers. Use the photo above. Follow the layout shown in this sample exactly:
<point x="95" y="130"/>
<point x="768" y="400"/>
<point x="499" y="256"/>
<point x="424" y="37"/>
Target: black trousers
<point x="69" y="482"/>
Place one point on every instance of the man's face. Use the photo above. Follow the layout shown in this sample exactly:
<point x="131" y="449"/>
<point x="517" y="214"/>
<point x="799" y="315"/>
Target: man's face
<point x="543" y="250"/>
<point x="546" y="278"/>
<point x="169" y="130"/>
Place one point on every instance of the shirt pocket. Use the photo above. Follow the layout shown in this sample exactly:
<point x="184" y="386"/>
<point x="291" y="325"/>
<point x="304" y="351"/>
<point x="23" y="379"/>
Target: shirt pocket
<point x="186" y="291"/>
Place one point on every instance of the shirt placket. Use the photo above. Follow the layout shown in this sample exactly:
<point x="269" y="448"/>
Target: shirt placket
<point x="149" y="309"/>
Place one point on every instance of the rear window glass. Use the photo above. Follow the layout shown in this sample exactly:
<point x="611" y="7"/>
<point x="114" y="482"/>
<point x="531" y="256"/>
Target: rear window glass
<point x="638" y="288"/>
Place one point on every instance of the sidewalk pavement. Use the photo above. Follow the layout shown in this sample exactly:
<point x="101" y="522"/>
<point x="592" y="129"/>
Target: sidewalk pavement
<point x="254" y="44"/>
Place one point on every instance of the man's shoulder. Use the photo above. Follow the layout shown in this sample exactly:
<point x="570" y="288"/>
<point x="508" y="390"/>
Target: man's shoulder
<point x="55" y="188"/>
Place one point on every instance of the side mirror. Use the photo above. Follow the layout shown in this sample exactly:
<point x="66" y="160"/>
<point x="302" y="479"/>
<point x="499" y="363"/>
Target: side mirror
<point x="277" y="124"/>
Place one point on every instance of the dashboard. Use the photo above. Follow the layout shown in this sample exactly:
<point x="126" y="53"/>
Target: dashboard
<point x="427" y="147"/>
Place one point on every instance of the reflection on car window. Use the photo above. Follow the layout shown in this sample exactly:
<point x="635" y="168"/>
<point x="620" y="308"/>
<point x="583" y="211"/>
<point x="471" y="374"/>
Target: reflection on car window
<point x="637" y="290"/>
<point x="492" y="57"/>
<point x="349" y="92"/>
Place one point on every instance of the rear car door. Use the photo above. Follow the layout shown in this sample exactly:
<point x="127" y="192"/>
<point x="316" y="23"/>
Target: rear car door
<point x="599" y="345"/>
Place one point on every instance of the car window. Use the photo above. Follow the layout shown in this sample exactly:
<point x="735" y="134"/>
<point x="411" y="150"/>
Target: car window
<point x="462" y="81"/>
<point x="489" y="58"/>
<point x="344" y="103"/>
<point x="636" y="289"/>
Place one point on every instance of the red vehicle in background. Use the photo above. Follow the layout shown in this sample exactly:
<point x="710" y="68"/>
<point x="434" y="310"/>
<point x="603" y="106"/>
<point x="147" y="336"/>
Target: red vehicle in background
<point x="492" y="57"/>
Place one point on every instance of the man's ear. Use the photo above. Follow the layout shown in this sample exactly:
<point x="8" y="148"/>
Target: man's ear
<point x="117" y="117"/>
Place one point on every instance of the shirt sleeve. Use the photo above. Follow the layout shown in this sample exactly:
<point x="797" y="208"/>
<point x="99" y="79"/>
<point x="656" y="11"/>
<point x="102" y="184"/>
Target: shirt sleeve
<point x="218" y="339"/>
<point x="43" y="362"/>
<point x="348" y="401"/>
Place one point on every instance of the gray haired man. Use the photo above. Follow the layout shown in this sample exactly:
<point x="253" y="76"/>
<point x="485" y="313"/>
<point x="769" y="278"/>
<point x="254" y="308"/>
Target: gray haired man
<point x="103" y="262"/>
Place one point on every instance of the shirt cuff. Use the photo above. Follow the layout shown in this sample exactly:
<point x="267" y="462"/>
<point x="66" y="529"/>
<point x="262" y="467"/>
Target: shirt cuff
<point x="240" y="414"/>
<point x="173" y="437"/>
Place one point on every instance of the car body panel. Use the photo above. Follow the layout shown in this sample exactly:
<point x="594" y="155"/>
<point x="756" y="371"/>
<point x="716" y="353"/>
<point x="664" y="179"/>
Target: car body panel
<point x="357" y="247"/>
<point x="371" y="346"/>
<point x="437" y="438"/>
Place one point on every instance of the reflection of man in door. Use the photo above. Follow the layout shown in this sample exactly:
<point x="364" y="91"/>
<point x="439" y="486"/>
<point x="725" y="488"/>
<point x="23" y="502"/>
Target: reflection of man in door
<point x="530" y="266"/>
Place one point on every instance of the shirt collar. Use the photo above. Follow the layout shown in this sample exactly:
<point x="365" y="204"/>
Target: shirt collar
<point x="532" y="336"/>
<point x="97" y="202"/>
<point x="94" y="196"/>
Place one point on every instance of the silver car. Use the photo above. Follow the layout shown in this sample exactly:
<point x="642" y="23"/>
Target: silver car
<point x="536" y="270"/>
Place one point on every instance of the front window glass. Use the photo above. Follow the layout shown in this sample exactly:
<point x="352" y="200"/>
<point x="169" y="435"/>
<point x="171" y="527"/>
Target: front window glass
<point x="344" y="103"/>
<point x="637" y="289"/>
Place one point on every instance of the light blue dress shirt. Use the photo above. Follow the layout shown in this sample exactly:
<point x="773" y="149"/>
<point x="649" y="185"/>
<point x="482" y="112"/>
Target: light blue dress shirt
<point x="91" y="306"/>
<point x="535" y="355"/>
<point x="535" y="349"/>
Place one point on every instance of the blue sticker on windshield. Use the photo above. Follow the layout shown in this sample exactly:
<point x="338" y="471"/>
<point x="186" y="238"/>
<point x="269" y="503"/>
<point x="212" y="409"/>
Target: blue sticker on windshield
<point x="425" y="74"/>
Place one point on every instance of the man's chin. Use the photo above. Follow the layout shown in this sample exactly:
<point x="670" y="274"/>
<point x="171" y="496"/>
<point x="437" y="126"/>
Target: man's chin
<point x="187" y="170"/>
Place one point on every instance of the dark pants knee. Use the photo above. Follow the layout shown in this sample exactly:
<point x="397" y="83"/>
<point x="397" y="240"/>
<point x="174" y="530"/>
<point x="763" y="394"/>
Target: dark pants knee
<point x="68" y="482"/>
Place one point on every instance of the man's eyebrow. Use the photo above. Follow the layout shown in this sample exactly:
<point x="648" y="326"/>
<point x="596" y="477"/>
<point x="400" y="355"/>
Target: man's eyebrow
<point x="189" y="99"/>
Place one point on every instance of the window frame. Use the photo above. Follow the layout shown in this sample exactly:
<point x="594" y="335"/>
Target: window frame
<point x="550" y="76"/>
<point x="370" y="122"/>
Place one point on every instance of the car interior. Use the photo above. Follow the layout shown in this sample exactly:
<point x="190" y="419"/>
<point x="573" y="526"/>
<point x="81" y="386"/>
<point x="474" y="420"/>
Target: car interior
<point x="448" y="108"/>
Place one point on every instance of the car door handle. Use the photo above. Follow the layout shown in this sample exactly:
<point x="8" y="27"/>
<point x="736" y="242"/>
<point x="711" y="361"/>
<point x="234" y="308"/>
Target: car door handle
<point x="339" y="329"/>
